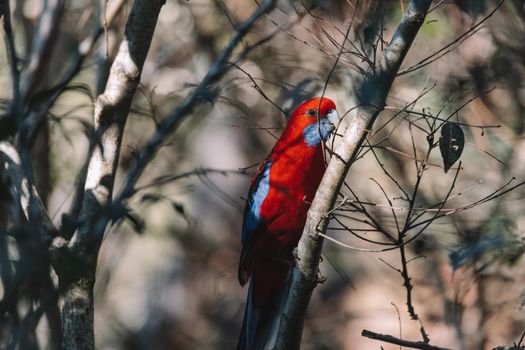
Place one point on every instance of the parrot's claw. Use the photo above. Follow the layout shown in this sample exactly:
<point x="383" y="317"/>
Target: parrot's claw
<point x="296" y="254"/>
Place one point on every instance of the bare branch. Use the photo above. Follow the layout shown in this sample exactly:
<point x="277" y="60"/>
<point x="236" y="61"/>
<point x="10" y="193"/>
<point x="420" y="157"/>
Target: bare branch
<point x="166" y="127"/>
<point x="452" y="45"/>
<point x="111" y="111"/>
<point x="372" y="97"/>
<point x="77" y="275"/>
<point x="393" y="340"/>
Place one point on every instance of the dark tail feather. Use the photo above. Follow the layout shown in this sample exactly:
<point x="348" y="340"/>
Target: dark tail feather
<point x="261" y="323"/>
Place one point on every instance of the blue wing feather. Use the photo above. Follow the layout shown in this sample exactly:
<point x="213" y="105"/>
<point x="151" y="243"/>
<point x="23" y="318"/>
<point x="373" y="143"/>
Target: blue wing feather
<point x="258" y="192"/>
<point x="252" y="217"/>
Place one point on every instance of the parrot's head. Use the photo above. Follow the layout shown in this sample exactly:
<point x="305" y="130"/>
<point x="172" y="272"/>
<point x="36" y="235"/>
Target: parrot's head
<point x="316" y="119"/>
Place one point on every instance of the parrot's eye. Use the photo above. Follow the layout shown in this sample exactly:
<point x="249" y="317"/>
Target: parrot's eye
<point x="311" y="112"/>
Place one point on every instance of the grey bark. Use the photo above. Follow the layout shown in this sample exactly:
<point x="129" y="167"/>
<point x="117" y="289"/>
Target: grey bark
<point x="372" y="97"/>
<point x="111" y="111"/>
<point x="76" y="304"/>
<point x="74" y="254"/>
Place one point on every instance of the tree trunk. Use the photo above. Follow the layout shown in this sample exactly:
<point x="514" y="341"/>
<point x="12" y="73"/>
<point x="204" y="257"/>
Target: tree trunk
<point x="77" y="312"/>
<point x="76" y="259"/>
<point x="372" y="97"/>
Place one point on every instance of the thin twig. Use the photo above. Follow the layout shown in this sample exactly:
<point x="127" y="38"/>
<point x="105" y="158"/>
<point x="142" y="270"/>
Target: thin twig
<point x="216" y="71"/>
<point x="452" y="45"/>
<point x="393" y="340"/>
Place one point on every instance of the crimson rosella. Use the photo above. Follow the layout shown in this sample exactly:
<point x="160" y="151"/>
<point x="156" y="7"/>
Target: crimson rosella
<point x="279" y="198"/>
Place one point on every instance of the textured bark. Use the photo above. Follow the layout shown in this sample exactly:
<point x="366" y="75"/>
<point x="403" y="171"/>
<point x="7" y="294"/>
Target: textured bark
<point x="372" y="97"/>
<point x="76" y="303"/>
<point x="111" y="110"/>
<point x="74" y="253"/>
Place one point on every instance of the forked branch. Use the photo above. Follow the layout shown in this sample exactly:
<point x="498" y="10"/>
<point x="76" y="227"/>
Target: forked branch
<point x="372" y="99"/>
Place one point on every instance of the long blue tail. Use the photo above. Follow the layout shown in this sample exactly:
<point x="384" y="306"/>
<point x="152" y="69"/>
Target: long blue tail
<point x="261" y="322"/>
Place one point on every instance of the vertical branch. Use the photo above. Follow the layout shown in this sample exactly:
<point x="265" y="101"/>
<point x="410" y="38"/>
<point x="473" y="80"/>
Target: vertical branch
<point x="11" y="52"/>
<point x="111" y="111"/>
<point x="372" y="98"/>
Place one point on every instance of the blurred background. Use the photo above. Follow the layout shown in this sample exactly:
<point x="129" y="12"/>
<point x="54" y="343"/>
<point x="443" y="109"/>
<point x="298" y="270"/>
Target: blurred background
<point x="173" y="285"/>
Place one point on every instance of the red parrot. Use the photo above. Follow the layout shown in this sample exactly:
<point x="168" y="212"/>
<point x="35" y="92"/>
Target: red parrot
<point x="278" y="200"/>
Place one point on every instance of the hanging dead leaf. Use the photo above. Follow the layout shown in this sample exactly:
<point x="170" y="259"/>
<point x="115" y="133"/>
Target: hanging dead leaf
<point x="451" y="144"/>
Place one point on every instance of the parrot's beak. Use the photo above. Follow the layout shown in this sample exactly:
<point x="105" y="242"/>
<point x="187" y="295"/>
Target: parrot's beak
<point x="333" y="117"/>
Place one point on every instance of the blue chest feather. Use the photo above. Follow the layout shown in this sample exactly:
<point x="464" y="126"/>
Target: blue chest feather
<point x="314" y="133"/>
<point x="253" y="212"/>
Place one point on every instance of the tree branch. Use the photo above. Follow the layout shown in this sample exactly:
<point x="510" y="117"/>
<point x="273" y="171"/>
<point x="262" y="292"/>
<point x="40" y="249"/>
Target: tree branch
<point x="11" y="53"/>
<point x="25" y="193"/>
<point x="372" y="97"/>
<point x="393" y="340"/>
<point x="111" y="111"/>
<point x="77" y="272"/>
<point x="166" y="127"/>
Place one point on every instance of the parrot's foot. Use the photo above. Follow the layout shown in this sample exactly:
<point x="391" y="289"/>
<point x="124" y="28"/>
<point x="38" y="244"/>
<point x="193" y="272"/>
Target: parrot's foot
<point x="296" y="254"/>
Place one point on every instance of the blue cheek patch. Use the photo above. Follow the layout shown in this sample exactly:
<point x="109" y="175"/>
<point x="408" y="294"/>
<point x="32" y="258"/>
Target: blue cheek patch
<point x="253" y="213"/>
<point x="314" y="133"/>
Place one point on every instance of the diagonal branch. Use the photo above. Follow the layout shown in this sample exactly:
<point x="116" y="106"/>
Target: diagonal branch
<point x="219" y="67"/>
<point x="217" y="70"/>
<point x="111" y="110"/>
<point x="372" y="98"/>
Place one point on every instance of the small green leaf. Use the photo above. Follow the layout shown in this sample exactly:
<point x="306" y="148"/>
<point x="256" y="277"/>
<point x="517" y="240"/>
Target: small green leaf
<point x="451" y="144"/>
